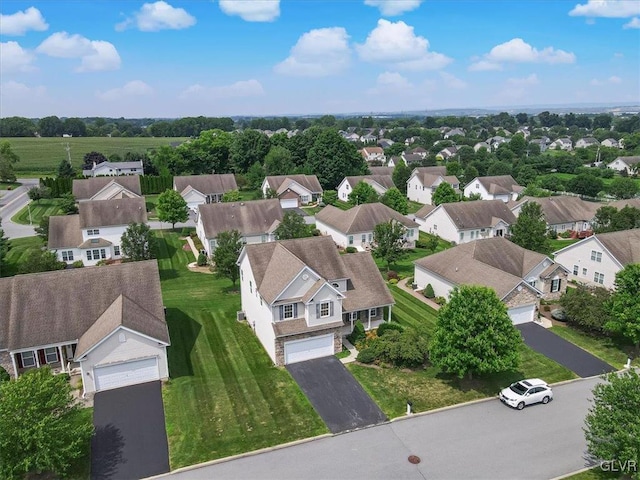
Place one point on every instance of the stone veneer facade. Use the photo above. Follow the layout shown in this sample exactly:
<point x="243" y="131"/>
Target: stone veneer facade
<point x="523" y="297"/>
<point x="337" y="341"/>
<point x="546" y="285"/>
<point x="5" y="362"/>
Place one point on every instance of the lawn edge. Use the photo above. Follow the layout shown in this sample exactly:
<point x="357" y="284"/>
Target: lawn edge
<point x="576" y="472"/>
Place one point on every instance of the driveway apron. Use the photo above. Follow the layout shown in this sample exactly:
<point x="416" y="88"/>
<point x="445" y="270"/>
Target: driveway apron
<point x="579" y="361"/>
<point x="130" y="440"/>
<point x="338" y="398"/>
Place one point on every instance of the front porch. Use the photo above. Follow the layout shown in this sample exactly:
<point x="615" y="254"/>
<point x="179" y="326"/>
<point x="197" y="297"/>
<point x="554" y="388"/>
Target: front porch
<point x="58" y="357"/>
<point x="371" y="318"/>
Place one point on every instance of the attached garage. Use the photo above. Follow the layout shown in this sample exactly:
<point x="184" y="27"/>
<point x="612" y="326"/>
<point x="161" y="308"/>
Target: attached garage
<point x="522" y="314"/>
<point x="289" y="202"/>
<point x="126" y="373"/>
<point x="308" y="348"/>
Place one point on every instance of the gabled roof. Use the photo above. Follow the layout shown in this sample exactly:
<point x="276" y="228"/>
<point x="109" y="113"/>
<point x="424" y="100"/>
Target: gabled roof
<point x="207" y="184"/>
<point x="421" y="171"/>
<point x="64" y="231"/>
<point x="385" y="181"/>
<point x="369" y="290"/>
<point x="381" y="170"/>
<point x="278" y="182"/>
<point x="478" y="213"/>
<point x="412" y="158"/>
<point x="61" y="306"/>
<point x="248" y="218"/>
<point x="629" y="160"/>
<point x="623" y="245"/>
<point x="377" y="150"/>
<point x="494" y="262"/>
<point x="115" y="166"/>
<point x="117" y="211"/>
<point x="361" y="218"/>
<point x="620" y="204"/>
<point x="499" y="184"/>
<point x="565" y="209"/>
<point x="429" y="180"/>
<point x="425" y="210"/>
<point x="87" y="188"/>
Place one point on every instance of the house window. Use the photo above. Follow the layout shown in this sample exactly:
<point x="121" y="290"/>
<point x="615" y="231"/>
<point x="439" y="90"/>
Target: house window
<point x="116" y="250"/>
<point x="461" y="236"/>
<point x="373" y="312"/>
<point x="532" y="283"/>
<point x="598" y="278"/>
<point x="94" y="231"/>
<point x="576" y="269"/>
<point x="250" y="287"/>
<point x="411" y="232"/>
<point x="350" y="239"/>
<point x="370" y="237"/>
<point x="288" y="311"/>
<point x="584" y="272"/>
<point x="364" y="238"/>
<point x="28" y="359"/>
<point x="51" y="354"/>
<point x="596" y="256"/>
<point x="325" y="309"/>
<point x="435" y="227"/>
<point x="305" y="198"/>
<point x="263" y="239"/>
<point x="89" y="257"/>
<point x="353" y="316"/>
<point x="67" y="255"/>
<point x="472" y="234"/>
<point x="555" y="285"/>
<point x="477" y="185"/>
<point x="241" y="275"/>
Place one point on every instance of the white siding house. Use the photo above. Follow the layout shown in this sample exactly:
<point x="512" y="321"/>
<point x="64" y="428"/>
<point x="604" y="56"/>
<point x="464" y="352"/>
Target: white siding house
<point x="499" y="187"/>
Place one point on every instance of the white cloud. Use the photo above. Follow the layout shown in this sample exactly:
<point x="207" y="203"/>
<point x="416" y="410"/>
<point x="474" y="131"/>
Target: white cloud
<point x="633" y="23"/>
<point x="252" y="10"/>
<point x="15" y="58"/>
<point x="390" y="8"/>
<point x="20" y="90"/>
<point x="241" y="89"/>
<point x="615" y="80"/>
<point x="451" y="81"/>
<point x="95" y="55"/>
<point x="134" y="88"/>
<point x="153" y="17"/>
<point x="396" y="43"/>
<point x="524" y="81"/>
<point x="517" y="50"/>
<point x="391" y="83"/>
<point x="21" y="22"/>
<point x="318" y="53"/>
<point x="607" y="9"/>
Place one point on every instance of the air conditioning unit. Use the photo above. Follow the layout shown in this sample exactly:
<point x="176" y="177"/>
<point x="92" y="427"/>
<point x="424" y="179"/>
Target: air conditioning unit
<point x="240" y="316"/>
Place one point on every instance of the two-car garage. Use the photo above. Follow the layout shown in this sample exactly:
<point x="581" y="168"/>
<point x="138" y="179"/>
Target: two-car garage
<point x="522" y="314"/>
<point x="308" y="348"/>
<point x="126" y="373"/>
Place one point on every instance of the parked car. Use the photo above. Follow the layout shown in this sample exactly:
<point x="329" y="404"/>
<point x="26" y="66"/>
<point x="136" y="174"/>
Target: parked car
<point x="526" y="392"/>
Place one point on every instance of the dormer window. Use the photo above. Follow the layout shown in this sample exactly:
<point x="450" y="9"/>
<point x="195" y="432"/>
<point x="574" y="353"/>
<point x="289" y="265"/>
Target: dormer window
<point x="335" y="285"/>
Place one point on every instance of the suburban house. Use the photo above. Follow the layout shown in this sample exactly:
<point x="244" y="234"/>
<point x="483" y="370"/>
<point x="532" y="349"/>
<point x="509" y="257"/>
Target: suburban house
<point x="611" y="143"/>
<point x="496" y="141"/>
<point x="419" y="151"/>
<point x="587" y="142"/>
<point x="199" y="189"/>
<point x="373" y="154"/>
<point x="596" y="259"/>
<point x="455" y="131"/>
<point x="463" y="222"/>
<point x="380" y="183"/>
<point x="561" y="144"/>
<point x="106" y="188"/>
<point x="301" y="296"/>
<point x="411" y="158"/>
<point x="480" y="145"/>
<point x="447" y="153"/>
<point x="105" y="324"/>
<point x="95" y="232"/>
<point x="293" y="190"/>
<point x="630" y="164"/>
<point x="256" y="221"/>
<point x="518" y="276"/>
<point x="424" y="181"/>
<point x="354" y="227"/>
<point x="114" y="169"/>
<point x="498" y="187"/>
<point x="541" y="143"/>
<point x="563" y="213"/>
<point x="368" y="138"/>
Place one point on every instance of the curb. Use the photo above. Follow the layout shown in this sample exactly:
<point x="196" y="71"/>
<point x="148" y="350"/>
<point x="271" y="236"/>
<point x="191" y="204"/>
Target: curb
<point x="571" y="474"/>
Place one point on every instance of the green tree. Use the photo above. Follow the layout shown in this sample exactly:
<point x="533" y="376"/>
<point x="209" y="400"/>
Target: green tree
<point x="530" y="229"/>
<point x="585" y="184"/>
<point x="293" y="226"/>
<point x="42" y="230"/>
<point x="48" y="433"/>
<point x="470" y="172"/>
<point x="225" y="256"/>
<point x="68" y="203"/>
<point x="586" y="307"/>
<point x="255" y="176"/>
<point x="613" y="424"/>
<point x="604" y="219"/>
<point x="389" y="239"/>
<point x="43" y="261"/>
<point x="7" y="159"/>
<point x="247" y="148"/>
<point x="401" y="174"/>
<point x="65" y="169"/>
<point x="625" y="305"/>
<point x="394" y="199"/>
<point x="38" y="193"/>
<point x="332" y="158"/>
<point x="74" y="126"/>
<point x="623" y="188"/>
<point x="444" y="193"/>
<point x="172" y="208"/>
<point x="431" y="243"/>
<point x="518" y="145"/>
<point x="465" y="154"/>
<point x="454" y="168"/>
<point x="363" y="193"/>
<point x="138" y="242"/>
<point x="500" y="167"/>
<point x="330" y="197"/>
<point x="526" y="175"/>
<point x="92" y="158"/>
<point x="231" y="196"/>
<point x="279" y="161"/>
<point x="50" y="127"/>
<point x="474" y="334"/>
<point x="4" y="247"/>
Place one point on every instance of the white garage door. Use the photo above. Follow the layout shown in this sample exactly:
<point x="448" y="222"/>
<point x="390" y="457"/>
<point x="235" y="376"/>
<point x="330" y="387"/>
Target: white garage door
<point x="315" y="347"/>
<point x="289" y="202"/>
<point x="127" y="373"/>
<point x="522" y="314"/>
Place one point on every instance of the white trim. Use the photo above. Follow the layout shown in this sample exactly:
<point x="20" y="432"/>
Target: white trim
<point x="34" y="359"/>
<point x="119" y="327"/>
<point x="42" y="347"/>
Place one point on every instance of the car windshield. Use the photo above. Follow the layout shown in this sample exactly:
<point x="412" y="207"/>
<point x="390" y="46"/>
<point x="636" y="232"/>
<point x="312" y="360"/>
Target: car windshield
<point x="518" y="388"/>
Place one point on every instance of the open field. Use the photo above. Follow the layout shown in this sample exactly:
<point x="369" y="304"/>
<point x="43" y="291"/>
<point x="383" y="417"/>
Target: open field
<point x="43" y="155"/>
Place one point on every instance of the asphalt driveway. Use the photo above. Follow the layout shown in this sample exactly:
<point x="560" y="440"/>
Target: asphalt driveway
<point x="579" y="361"/>
<point x="337" y="397"/>
<point x="131" y="439"/>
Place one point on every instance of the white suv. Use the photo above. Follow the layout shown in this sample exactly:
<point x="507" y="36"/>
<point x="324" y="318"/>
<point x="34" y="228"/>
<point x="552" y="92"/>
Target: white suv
<point x="526" y="392"/>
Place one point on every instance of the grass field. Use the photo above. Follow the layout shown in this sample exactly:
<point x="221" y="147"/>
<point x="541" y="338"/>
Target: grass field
<point x="9" y="186"/>
<point x="43" y="208"/>
<point x="430" y="388"/>
<point x="43" y="155"/>
<point x="568" y="176"/>
<point x="559" y="243"/>
<point x="225" y="396"/>
<point x="404" y="266"/>
<point x="19" y="251"/>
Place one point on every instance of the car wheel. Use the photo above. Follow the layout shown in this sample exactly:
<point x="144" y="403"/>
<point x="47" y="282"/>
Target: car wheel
<point x="520" y="406"/>
<point x="545" y="400"/>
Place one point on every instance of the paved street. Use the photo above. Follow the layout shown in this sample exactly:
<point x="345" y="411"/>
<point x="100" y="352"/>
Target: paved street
<point x="483" y="440"/>
<point x="11" y="202"/>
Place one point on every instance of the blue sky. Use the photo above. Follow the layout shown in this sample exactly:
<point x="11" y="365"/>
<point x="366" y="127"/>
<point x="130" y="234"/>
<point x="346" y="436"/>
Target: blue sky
<point x="268" y="57"/>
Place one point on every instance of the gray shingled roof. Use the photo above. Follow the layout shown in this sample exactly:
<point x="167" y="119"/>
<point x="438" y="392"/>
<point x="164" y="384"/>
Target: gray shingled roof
<point x="64" y="231"/>
<point x="310" y="182"/>
<point x="478" y="213"/>
<point x="299" y="325"/>
<point x="620" y="204"/>
<point x="369" y="289"/>
<point x="118" y="211"/>
<point x="425" y="210"/>
<point x="381" y="170"/>
<point x="207" y="184"/>
<point x="500" y="184"/>
<point x="629" y="160"/>
<point x="493" y="262"/>
<point x="61" y="306"/>
<point x="87" y="188"/>
<point x="410" y="158"/>
<point x="361" y="218"/>
<point x="565" y="209"/>
<point x="385" y="181"/>
<point x="624" y="245"/>
<point x="248" y="218"/>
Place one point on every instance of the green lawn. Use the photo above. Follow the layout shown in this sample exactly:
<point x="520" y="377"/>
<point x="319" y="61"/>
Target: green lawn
<point x="19" y="250"/>
<point x="246" y="195"/>
<point x="225" y="396"/>
<point x="596" y="473"/>
<point x="342" y="205"/>
<point x="430" y="388"/>
<point x="36" y="210"/>
<point x="43" y="155"/>
<point x="414" y="206"/>
<point x="9" y="186"/>
<point x="151" y="201"/>
<point x="559" y="243"/>
<point x="615" y="354"/>
<point x="404" y="266"/>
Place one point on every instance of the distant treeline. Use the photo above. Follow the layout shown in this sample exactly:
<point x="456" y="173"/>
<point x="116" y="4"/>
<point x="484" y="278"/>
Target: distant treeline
<point x="148" y="184"/>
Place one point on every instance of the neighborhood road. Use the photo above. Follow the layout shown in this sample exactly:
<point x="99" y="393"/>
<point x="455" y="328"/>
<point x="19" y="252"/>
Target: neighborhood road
<point x="482" y="440"/>
<point x="11" y="202"/>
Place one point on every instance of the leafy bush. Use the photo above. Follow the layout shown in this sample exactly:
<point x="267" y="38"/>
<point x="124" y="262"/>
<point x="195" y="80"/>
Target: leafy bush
<point x="393" y="281"/>
<point x="193" y="234"/>
<point x="77" y="264"/>
<point x="407" y="348"/>
<point x="186" y="231"/>
<point x="351" y="250"/>
<point x="410" y="280"/>
<point x="202" y="260"/>
<point x="4" y="375"/>
<point x="440" y="300"/>
<point x="358" y="333"/>
<point x="552" y="234"/>
<point x="368" y="355"/>
<point x="392" y="274"/>
<point x="566" y="234"/>
<point x="388" y="326"/>
<point x="428" y="291"/>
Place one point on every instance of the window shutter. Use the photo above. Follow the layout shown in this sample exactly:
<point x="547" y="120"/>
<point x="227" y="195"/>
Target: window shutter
<point x="295" y="310"/>
<point x="331" y="308"/>
<point x="281" y="312"/>
<point x="317" y="310"/>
